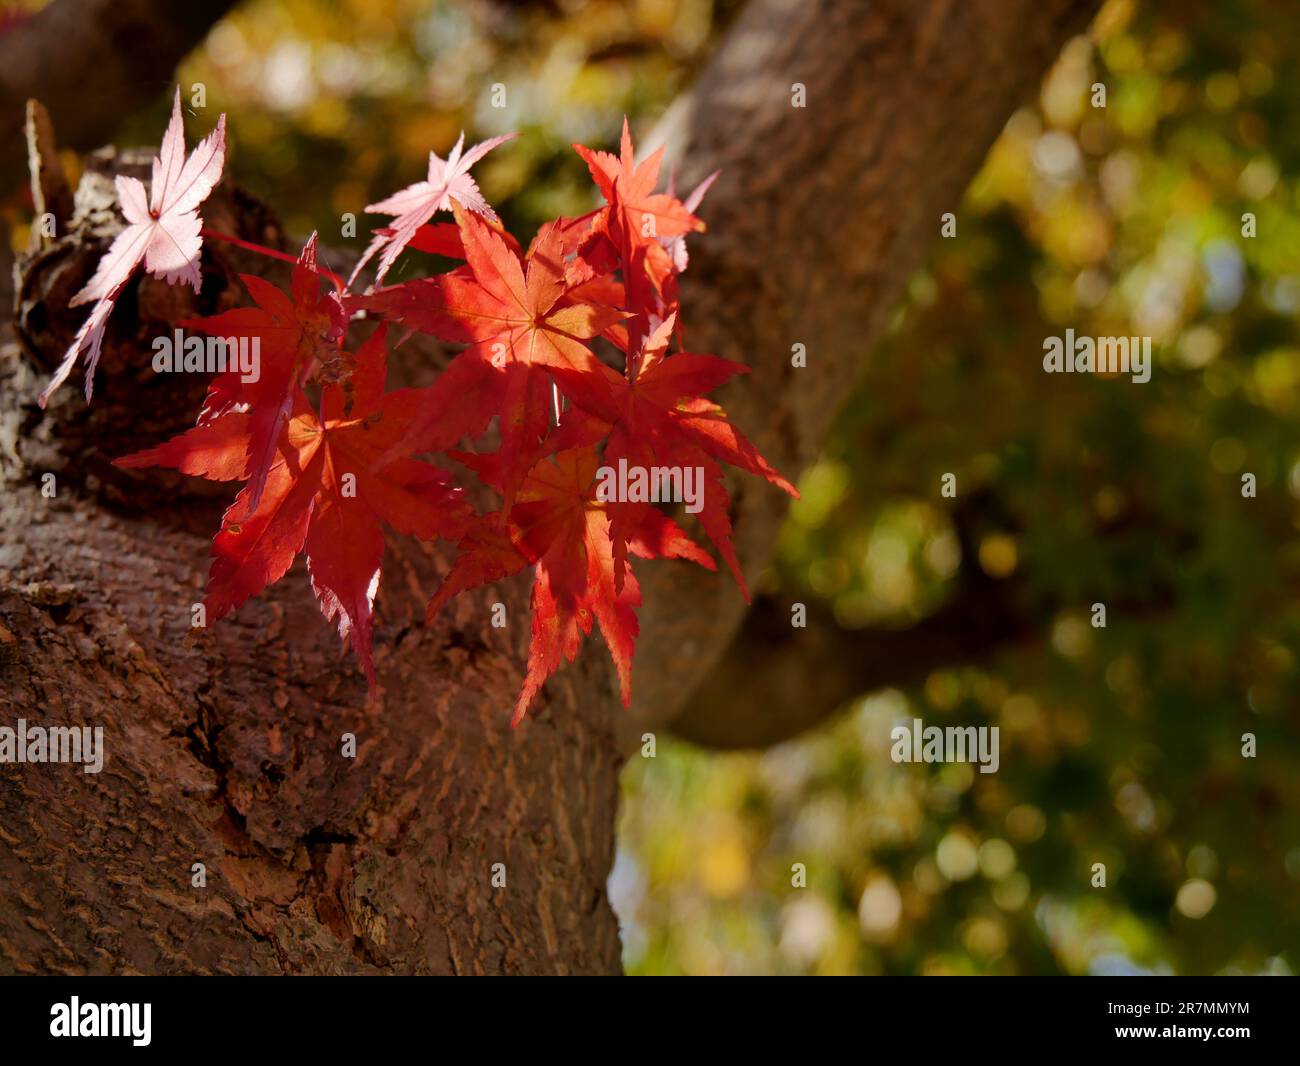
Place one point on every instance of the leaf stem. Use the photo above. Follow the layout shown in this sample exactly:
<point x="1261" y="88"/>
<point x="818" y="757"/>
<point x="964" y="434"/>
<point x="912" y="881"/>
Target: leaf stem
<point x="249" y="246"/>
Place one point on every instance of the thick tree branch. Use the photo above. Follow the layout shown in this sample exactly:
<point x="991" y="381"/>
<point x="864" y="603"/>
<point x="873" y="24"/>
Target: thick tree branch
<point x="775" y="682"/>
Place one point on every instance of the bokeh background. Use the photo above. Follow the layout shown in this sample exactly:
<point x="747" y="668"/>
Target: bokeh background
<point x="1120" y="745"/>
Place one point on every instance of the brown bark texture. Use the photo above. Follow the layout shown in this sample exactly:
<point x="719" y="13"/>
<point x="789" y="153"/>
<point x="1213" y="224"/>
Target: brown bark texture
<point x="224" y="745"/>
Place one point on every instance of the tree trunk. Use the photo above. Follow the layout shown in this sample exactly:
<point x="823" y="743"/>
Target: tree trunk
<point x="226" y="748"/>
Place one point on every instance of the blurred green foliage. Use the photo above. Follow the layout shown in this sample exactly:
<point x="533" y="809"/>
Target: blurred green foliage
<point x="1119" y="745"/>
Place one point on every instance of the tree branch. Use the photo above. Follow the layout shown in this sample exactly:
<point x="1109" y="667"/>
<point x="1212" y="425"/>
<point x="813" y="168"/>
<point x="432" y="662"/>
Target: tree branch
<point x="776" y="682"/>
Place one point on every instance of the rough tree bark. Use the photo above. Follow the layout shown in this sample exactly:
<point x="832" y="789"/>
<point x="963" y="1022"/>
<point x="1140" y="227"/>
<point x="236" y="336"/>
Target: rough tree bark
<point x="225" y="749"/>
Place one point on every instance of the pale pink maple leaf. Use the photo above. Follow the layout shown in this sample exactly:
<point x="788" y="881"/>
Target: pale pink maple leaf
<point x="449" y="179"/>
<point x="163" y="231"/>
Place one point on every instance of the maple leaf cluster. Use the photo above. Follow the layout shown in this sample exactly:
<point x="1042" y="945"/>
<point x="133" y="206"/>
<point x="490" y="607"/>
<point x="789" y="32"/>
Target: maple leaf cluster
<point x="329" y="456"/>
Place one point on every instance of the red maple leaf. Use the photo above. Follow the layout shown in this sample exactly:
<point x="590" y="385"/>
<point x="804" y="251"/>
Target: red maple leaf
<point x="660" y="419"/>
<point x="298" y="334"/>
<point x="557" y="524"/>
<point x="523" y="328"/>
<point x="641" y="216"/>
<point x="327" y="493"/>
<point x="639" y="230"/>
